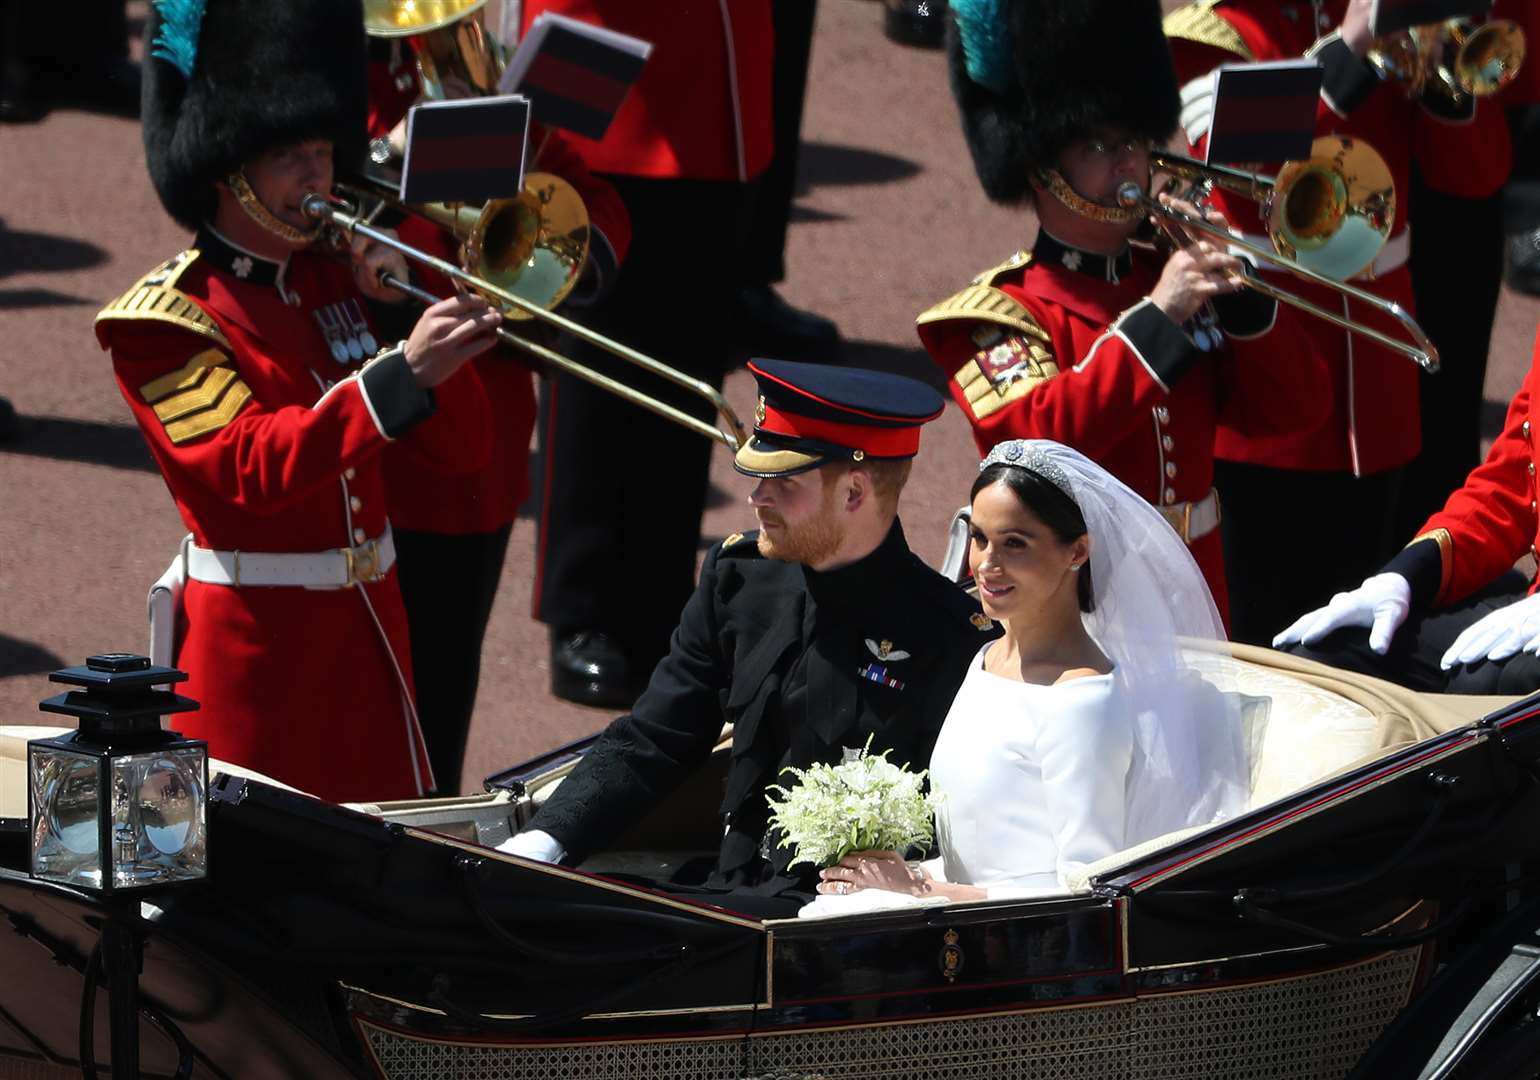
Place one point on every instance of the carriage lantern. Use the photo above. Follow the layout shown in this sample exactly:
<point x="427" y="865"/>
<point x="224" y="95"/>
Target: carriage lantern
<point x="119" y="803"/>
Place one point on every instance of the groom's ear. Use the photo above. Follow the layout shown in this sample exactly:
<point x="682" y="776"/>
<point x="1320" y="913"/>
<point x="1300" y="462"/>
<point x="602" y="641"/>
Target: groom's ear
<point x="856" y="489"/>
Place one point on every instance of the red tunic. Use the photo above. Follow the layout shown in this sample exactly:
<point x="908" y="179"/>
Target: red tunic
<point x="1372" y="424"/>
<point x="701" y="109"/>
<point x="269" y="444"/>
<point x="1491" y="521"/>
<point x="1114" y="383"/>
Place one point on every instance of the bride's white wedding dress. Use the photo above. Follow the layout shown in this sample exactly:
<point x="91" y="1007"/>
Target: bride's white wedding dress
<point x="1041" y="780"/>
<point x="1031" y="779"/>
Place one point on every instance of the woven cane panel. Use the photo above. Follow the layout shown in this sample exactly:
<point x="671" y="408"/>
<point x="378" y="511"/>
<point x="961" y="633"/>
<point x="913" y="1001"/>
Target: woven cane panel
<point x="1311" y="1026"/>
<point x="1085" y="1043"/>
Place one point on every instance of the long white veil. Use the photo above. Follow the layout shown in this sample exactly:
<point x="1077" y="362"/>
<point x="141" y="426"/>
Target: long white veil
<point x="1189" y="765"/>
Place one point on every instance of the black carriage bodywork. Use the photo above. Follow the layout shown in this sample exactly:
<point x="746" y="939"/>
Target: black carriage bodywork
<point x="332" y="942"/>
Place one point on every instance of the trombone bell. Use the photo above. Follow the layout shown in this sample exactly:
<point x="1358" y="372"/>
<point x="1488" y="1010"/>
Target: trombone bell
<point x="1334" y="212"/>
<point x="451" y="46"/>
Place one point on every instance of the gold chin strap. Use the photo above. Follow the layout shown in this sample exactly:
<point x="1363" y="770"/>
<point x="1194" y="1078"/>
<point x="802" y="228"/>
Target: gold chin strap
<point x="263" y="216"/>
<point x="1079" y="204"/>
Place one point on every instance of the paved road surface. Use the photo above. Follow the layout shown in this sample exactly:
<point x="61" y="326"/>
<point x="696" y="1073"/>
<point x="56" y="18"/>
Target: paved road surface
<point x="891" y="219"/>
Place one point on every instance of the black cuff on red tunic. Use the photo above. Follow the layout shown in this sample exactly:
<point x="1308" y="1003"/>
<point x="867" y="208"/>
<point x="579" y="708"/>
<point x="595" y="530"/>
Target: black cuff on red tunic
<point x="395" y="399"/>
<point x="1165" y="349"/>
<point x="1422" y="564"/>
<point x="1246" y="313"/>
<point x="1347" y="79"/>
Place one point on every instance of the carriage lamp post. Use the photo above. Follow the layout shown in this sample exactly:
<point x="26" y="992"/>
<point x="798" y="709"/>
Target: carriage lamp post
<point x="117" y="807"/>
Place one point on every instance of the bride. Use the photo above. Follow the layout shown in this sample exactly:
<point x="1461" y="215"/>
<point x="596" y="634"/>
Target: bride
<point x="1081" y="731"/>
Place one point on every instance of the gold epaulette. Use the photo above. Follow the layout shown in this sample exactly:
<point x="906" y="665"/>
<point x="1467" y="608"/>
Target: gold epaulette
<point x="984" y="303"/>
<point x="155" y="296"/>
<point x="1198" y="22"/>
<point x="1019" y="261"/>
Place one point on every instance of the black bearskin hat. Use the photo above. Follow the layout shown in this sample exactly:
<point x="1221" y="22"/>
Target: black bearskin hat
<point x="263" y="73"/>
<point x="1061" y="69"/>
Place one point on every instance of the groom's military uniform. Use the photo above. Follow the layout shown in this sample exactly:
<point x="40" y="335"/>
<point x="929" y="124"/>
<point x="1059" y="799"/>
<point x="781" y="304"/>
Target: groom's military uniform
<point x="804" y="663"/>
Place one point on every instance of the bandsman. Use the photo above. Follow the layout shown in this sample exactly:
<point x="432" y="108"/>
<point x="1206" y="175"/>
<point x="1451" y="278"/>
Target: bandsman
<point x="1088" y="338"/>
<point x="267" y="397"/>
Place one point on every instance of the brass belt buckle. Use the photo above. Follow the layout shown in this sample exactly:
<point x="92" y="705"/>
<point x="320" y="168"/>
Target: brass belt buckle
<point x="363" y="563"/>
<point x="1187" y="522"/>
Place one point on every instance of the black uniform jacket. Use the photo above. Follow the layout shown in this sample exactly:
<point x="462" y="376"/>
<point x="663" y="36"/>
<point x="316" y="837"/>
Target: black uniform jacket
<point x="804" y="663"/>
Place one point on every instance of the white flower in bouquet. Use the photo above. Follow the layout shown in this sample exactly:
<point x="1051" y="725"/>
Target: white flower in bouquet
<point x="865" y="803"/>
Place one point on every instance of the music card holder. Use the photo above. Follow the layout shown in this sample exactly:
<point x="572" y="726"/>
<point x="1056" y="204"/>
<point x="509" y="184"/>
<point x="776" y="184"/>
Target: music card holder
<point x="575" y="74"/>
<point x="1264" y="111"/>
<point x="1392" y="16"/>
<point x="465" y="151"/>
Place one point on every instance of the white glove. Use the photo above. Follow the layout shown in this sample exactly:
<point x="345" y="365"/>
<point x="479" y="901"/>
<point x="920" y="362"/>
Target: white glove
<point x="1499" y="635"/>
<point x="1380" y="603"/>
<point x="534" y="844"/>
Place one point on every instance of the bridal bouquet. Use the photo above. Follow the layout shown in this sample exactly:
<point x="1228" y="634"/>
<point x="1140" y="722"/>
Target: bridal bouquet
<point x="865" y="803"/>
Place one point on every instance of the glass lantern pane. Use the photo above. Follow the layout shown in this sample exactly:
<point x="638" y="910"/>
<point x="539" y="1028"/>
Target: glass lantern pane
<point x="66" y="795"/>
<point x="158" y="804"/>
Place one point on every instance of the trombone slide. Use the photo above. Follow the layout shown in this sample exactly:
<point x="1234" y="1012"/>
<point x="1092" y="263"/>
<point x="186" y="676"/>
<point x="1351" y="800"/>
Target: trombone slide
<point x="321" y="208"/>
<point x="1424" y="353"/>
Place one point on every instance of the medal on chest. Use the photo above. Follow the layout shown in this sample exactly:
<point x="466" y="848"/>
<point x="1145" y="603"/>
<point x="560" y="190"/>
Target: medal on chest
<point x="878" y="672"/>
<point x="346" y="331"/>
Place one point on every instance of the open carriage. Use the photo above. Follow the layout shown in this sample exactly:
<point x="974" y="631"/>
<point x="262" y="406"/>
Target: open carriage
<point x="1357" y="906"/>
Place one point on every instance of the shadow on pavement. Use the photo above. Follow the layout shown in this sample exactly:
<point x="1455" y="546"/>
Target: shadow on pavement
<point x="19" y="657"/>
<point x="823" y="163"/>
<point x="13" y="299"/>
<point x="92" y="442"/>
<point x="45" y="253"/>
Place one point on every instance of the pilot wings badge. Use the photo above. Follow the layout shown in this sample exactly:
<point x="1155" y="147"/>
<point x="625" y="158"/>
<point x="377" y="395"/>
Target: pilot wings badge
<point x="884" y="650"/>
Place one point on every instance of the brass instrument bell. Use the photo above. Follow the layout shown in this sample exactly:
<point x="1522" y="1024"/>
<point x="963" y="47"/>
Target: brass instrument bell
<point x="1457" y="58"/>
<point x="448" y="41"/>
<point x="533" y="244"/>
<point x="1331" y="212"/>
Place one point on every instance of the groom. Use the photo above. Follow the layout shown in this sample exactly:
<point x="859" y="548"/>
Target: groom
<point x="814" y="634"/>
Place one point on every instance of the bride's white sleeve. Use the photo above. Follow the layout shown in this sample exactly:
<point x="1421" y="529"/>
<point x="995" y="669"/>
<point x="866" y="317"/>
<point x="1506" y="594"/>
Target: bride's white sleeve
<point x="1085" y="755"/>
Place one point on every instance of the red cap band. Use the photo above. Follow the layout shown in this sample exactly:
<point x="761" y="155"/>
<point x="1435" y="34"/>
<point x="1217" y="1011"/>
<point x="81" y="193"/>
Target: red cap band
<point x="877" y="442"/>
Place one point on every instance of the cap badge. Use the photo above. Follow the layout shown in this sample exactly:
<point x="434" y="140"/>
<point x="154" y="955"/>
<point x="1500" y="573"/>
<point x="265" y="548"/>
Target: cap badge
<point x="759" y="410"/>
<point x="884" y="650"/>
<point x="981" y="621"/>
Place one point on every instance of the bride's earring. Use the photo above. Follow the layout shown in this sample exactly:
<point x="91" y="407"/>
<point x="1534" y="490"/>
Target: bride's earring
<point x="1075" y="565"/>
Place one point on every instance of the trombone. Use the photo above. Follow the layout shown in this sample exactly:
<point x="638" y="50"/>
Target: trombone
<point x="513" y="306"/>
<point x="1307" y="203"/>
<point x="1457" y="58"/>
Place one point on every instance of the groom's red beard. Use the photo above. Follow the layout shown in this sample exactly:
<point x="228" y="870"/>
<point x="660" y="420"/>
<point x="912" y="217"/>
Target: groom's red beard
<point x="812" y="542"/>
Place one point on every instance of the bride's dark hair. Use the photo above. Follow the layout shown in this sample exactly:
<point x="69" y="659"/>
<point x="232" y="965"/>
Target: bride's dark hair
<point x="1050" y="505"/>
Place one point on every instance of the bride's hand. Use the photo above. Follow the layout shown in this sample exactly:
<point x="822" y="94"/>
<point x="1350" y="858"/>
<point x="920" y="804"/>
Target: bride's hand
<point x="874" y="870"/>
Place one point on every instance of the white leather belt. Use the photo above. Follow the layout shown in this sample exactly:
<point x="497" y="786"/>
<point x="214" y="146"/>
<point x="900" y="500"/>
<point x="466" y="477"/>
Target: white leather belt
<point x="1193" y="520"/>
<point x="1391" y="257"/>
<point x="337" y="568"/>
